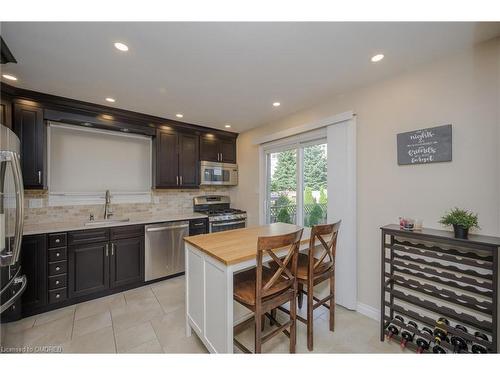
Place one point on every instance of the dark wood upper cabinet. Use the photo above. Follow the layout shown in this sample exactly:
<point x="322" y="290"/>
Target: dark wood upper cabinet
<point x="34" y="266"/>
<point x="177" y="156"/>
<point x="209" y="148"/>
<point x="179" y="146"/>
<point x="167" y="168"/>
<point x="6" y="113"/>
<point x="88" y="268"/>
<point x="228" y="150"/>
<point x="29" y="127"/>
<point x="189" y="166"/>
<point x="217" y="149"/>
<point x="127" y="261"/>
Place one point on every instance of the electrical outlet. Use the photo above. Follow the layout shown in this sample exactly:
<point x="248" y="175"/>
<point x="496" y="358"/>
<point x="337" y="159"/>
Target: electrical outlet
<point x="35" y="203"/>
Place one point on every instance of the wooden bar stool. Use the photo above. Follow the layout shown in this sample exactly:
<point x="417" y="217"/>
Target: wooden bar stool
<point x="261" y="289"/>
<point x="313" y="270"/>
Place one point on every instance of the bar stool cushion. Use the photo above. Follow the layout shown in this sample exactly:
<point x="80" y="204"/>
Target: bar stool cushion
<point x="244" y="285"/>
<point x="303" y="265"/>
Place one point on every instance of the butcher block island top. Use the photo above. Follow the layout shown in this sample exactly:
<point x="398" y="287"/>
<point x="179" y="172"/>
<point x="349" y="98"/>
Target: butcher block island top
<point x="238" y="245"/>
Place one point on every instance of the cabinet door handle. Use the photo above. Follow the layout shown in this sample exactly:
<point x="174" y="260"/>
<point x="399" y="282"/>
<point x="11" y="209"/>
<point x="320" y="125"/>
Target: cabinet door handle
<point x="112" y="249"/>
<point x="39" y="177"/>
<point x="107" y="249"/>
<point x="177" y="179"/>
<point x="221" y="157"/>
<point x="181" y="180"/>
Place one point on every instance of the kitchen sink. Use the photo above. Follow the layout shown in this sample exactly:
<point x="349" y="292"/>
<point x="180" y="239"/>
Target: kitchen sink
<point x="96" y="223"/>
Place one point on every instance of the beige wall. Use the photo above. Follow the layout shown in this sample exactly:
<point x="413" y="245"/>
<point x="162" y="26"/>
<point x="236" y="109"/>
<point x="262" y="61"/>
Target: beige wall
<point x="462" y="90"/>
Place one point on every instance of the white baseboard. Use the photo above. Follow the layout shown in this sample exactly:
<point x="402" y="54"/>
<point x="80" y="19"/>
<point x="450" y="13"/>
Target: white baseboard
<point x="369" y="311"/>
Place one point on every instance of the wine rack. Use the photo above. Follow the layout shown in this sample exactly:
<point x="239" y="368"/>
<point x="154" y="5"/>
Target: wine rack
<point x="429" y="274"/>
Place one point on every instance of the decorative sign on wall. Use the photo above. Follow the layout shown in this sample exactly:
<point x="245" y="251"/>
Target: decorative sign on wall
<point x="431" y="145"/>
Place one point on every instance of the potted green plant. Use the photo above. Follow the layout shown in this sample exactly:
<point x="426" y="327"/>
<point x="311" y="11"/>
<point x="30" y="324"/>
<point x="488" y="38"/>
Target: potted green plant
<point x="461" y="220"/>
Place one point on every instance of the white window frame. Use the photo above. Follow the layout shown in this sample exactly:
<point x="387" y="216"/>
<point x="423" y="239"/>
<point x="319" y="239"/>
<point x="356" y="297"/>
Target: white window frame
<point x="297" y="143"/>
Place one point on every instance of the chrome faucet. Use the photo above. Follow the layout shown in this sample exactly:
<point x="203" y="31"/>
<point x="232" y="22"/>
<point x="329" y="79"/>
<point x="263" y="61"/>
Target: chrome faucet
<point x="107" y="208"/>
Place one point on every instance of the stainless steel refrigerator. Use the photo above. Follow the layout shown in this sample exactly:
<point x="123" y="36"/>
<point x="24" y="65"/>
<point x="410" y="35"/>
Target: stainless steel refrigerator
<point x="12" y="281"/>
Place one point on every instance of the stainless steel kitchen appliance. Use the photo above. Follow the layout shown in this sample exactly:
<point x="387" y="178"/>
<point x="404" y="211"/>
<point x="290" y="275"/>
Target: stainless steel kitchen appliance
<point x="221" y="216"/>
<point x="212" y="173"/>
<point x="164" y="249"/>
<point x="12" y="281"/>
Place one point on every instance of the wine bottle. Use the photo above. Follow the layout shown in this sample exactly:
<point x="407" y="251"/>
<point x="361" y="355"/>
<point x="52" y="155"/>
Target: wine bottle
<point x="406" y="335"/>
<point x="459" y="344"/>
<point x="462" y="328"/>
<point x="422" y="342"/>
<point x="438" y="349"/>
<point x="479" y="348"/>
<point x="393" y="329"/>
<point x="441" y="330"/>
<point x="428" y="331"/>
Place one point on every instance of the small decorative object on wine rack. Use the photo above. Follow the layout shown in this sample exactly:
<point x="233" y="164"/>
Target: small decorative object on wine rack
<point x="439" y="293"/>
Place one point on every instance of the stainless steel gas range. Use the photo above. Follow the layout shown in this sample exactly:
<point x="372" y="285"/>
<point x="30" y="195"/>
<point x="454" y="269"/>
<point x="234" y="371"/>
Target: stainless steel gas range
<point x="221" y="216"/>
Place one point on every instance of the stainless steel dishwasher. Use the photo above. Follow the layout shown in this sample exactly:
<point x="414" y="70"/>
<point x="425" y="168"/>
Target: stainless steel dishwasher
<point x="164" y="250"/>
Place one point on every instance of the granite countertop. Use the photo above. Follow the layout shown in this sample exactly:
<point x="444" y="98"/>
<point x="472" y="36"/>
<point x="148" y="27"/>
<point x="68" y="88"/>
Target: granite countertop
<point x="52" y="227"/>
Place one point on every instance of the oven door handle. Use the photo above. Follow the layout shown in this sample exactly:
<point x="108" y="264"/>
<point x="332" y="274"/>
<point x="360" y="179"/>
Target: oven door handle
<point x="230" y="223"/>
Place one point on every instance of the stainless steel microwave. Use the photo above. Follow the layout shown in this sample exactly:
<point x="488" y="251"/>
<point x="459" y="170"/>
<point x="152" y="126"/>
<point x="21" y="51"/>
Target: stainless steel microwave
<point x="218" y="173"/>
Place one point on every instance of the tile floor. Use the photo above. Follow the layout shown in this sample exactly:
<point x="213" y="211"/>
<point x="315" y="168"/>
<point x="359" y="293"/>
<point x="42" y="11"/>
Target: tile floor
<point x="150" y="319"/>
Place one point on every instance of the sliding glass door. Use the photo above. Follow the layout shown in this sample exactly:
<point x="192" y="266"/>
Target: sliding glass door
<point x="282" y="186"/>
<point x="296" y="183"/>
<point x="314" y="184"/>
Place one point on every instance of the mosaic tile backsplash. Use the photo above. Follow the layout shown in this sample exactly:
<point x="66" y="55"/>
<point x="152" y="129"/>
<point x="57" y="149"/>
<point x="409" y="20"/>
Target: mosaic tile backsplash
<point x="168" y="202"/>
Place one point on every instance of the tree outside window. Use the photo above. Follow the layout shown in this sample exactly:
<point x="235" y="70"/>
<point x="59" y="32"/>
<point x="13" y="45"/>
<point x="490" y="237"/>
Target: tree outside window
<point x="283" y="185"/>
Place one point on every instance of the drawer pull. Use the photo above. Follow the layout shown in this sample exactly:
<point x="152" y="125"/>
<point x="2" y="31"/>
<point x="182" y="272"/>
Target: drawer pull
<point x="58" y="268"/>
<point x="58" y="240"/>
<point x="58" y="254"/>
<point x="58" y="295"/>
<point x="57" y="282"/>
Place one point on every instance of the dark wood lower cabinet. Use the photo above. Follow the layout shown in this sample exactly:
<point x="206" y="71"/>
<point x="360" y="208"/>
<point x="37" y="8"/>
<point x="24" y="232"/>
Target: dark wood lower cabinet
<point x="34" y="266"/>
<point x="127" y="261"/>
<point x="71" y="267"/>
<point x="88" y="269"/>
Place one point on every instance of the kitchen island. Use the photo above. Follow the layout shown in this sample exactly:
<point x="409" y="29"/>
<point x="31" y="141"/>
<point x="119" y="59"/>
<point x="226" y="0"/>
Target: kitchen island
<point x="211" y="261"/>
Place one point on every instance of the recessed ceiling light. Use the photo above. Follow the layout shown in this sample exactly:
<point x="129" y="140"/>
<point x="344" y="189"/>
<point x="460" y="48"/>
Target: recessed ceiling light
<point x="227" y="126"/>
<point x="276" y="104"/>
<point x="377" y="58"/>
<point x="121" y="46"/>
<point x="111" y="100"/>
<point x="10" y="77"/>
<point x="179" y="115"/>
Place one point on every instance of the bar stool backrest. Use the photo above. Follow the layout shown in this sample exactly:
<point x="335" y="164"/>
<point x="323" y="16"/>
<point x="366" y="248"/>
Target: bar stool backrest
<point x="286" y="268"/>
<point x="327" y="235"/>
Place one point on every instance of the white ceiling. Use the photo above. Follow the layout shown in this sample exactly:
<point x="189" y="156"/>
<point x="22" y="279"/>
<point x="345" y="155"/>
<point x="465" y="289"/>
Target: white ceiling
<point x="218" y="73"/>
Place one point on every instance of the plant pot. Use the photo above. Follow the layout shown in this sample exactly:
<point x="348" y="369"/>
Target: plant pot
<point x="461" y="232"/>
